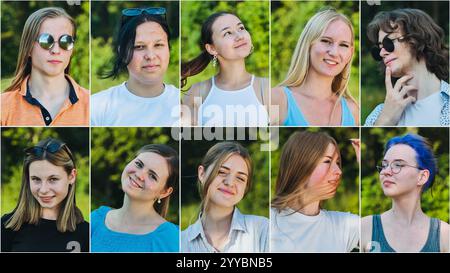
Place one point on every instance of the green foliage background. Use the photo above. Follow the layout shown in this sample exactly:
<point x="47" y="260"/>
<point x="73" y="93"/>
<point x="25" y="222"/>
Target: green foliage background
<point x="106" y="16"/>
<point x="253" y="14"/>
<point x="434" y="201"/>
<point x="15" y="13"/>
<point x="373" y="89"/>
<point x="256" y="201"/>
<point x="112" y="149"/>
<point x="347" y="195"/>
<point x="288" y="21"/>
<point x="15" y="140"/>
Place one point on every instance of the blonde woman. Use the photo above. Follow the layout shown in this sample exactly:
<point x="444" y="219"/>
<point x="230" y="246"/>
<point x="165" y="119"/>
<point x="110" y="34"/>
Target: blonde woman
<point x="46" y="218"/>
<point x="315" y="92"/>
<point x="309" y="173"/>
<point x="42" y="93"/>
<point x="225" y="177"/>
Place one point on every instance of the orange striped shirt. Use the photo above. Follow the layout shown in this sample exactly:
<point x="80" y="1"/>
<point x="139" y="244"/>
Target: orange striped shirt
<point x="19" y="108"/>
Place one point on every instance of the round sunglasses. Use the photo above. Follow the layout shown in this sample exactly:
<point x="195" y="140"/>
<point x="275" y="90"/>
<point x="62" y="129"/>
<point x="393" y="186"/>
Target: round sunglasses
<point x="387" y="44"/>
<point x="46" y="41"/>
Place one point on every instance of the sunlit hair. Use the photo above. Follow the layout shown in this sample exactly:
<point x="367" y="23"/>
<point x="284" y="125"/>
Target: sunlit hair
<point x="424" y="154"/>
<point x="301" y="154"/>
<point x="171" y="157"/>
<point x="212" y="162"/>
<point x="28" y="209"/>
<point x="425" y="38"/>
<point x="27" y="42"/>
<point x="300" y="62"/>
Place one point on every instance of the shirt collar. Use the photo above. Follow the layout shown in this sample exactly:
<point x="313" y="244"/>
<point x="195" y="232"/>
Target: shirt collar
<point x="237" y="223"/>
<point x="25" y="91"/>
<point x="444" y="88"/>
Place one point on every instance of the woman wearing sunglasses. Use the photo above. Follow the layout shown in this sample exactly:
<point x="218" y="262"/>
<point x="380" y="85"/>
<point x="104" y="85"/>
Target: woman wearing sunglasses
<point x="46" y="218"/>
<point x="315" y="91"/>
<point x="407" y="170"/>
<point x="411" y="48"/>
<point x="142" y="49"/>
<point x="42" y="93"/>
<point x="233" y="97"/>
<point x="310" y="172"/>
<point x="148" y="182"/>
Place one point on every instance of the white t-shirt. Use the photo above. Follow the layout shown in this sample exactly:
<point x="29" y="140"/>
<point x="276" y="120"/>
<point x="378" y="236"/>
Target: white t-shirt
<point x="117" y="106"/>
<point x="424" y="112"/>
<point x="329" y="231"/>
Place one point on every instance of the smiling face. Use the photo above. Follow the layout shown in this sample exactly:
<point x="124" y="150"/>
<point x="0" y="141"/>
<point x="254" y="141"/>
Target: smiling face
<point x="52" y="62"/>
<point x="400" y="61"/>
<point x="408" y="179"/>
<point x="145" y="177"/>
<point x="49" y="184"/>
<point x="327" y="170"/>
<point x="151" y="54"/>
<point x="333" y="50"/>
<point x="228" y="188"/>
<point x="231" y="41"/>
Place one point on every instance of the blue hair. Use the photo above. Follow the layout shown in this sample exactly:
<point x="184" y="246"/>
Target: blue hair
<point x="424" y="154"/>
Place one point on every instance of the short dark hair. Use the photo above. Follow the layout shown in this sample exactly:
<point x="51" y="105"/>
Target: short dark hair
<point x="124" y="43"/>
<point x="425" y="37"/>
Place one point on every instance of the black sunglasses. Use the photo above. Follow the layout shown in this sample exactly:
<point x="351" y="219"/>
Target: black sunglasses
<point x="387" y="44"/>
<point x="53" y="146"/>
<point x="138" y="11"/>
<point x="46" y="41"/>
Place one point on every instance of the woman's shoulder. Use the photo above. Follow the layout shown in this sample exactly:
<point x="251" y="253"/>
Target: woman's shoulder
<point x="100" y="212"/>
<point x="107" y="92"/>
<point x="341" y="216"/>
<point x="373" y="116"/>
<point x="6" y="217"/>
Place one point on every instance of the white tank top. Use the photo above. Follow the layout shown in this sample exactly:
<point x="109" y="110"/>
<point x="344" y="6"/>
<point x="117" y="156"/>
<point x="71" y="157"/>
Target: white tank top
<point x="236" y="108"/>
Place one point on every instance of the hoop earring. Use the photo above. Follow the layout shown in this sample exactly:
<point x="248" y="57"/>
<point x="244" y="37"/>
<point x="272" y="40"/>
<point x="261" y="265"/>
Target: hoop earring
<point x="214" y="61"/>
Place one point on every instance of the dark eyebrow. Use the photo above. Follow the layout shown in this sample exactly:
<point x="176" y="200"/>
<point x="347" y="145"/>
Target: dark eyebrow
<point x="228" y="169"/>
<point x="240" y="23"/>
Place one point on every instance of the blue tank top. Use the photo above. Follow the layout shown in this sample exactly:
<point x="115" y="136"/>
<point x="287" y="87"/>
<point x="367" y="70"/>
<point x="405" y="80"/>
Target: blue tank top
<point x="295" y="117"/>
<point x="380" y="244"/>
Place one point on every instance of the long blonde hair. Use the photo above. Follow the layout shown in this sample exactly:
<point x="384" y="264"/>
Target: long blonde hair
<point x="28" y="209"/>
<point x="300" y="156"/>
<point x="213" y="160"/>
<point x="300" y="62"/>
<point x="29" y="35"/>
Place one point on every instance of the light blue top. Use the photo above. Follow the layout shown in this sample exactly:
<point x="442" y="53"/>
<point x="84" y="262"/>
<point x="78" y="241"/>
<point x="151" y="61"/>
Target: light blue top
<point x="165" y="238"/>
<point x="295" y="117"/>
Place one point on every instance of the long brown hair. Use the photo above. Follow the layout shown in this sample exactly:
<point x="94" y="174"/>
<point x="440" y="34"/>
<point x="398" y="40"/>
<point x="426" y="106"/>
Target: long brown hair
<point x="212" y="162"/>
<point x="29" y="35"/>
<point x="300" y="156"/>
<point x="171" y="157"/>
<point x="28" y="209"/>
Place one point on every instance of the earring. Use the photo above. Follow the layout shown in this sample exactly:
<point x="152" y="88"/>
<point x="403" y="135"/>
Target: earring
<point x="159" y="200"/>
<point x="251" y="50"/>
<point x="214" y="61"/>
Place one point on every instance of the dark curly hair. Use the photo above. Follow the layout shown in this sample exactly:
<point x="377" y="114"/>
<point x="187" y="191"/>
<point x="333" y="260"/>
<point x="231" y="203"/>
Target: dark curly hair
<point x="425" y="37"/>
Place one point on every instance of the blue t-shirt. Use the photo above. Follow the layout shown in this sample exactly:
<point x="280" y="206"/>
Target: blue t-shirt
<point x="165" y="238"/>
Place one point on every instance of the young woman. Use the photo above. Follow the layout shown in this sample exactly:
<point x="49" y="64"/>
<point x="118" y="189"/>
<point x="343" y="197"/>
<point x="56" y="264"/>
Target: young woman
<point x="233" y="97"/>
<point x="42" y="93"/>
<point x="315" y="91"/>
<point x="142" y="49"/>
<point x="408" y="169"/>
<point x="411" y="47"/>
<point x="225" y="176"/>
<point x="46" y="218"/>
<point x="139" y="225"/>
<point x="309" y="173"/>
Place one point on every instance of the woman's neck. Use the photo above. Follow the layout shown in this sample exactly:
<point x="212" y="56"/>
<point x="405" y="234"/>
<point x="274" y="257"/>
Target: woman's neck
<point x="42" y="86"/>
<point x="50" y="214"/>
<point x="311" y="209"/>
<point x="317" y="86"/>
<point x="232" y="75"/>
<point x="137" y="212"/>
<point x="145" y="90"/>
<point x="406" y="209"/>
<point x="426" y="82"/>
<point x="217" y="219"/>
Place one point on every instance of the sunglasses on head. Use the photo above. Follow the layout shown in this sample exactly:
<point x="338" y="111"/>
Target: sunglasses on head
<point x="138" y="11"/>
<point x="387" y="44"/>
<point x="53" y="146"/>
<point x="46" y="41"/>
